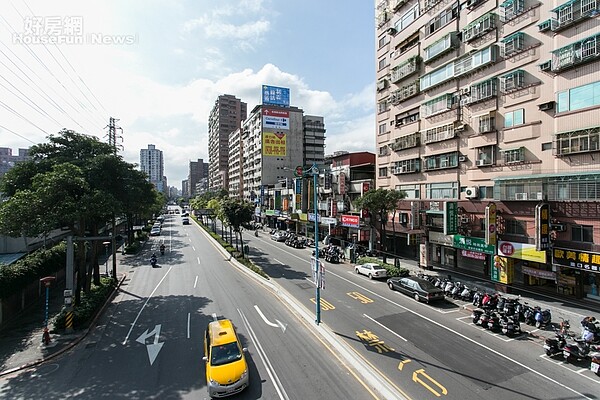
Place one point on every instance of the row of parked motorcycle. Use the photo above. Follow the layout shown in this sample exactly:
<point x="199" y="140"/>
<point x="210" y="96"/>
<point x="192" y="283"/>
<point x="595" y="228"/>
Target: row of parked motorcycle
<point x="500" y="313"/>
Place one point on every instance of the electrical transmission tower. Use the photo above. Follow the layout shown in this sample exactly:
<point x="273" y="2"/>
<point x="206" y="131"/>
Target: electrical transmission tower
<point x="112" y="134"/>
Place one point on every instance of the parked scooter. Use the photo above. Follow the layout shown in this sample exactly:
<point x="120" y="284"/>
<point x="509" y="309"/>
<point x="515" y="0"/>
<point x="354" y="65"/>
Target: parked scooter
<point x="542" y="318"/>
<point x="577" y="350"/>
<point x="510" y="325"/>
<point x="595" y="363"/>
<point x="554" y="346"/>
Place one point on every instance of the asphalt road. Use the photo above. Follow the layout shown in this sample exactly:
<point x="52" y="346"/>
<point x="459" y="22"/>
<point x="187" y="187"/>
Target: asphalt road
<point x="424" y="351"/>
<point x="148" y="344"/>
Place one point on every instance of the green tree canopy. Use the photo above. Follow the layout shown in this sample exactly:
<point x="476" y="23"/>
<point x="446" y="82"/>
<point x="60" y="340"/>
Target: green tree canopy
<point x="380" y="203"/>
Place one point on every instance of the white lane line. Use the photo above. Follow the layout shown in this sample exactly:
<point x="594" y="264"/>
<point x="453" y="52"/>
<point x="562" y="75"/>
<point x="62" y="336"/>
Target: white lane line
<point x="265" y="318"/>
<point x="563" y="365"/>
<point x="198" y="258"/>
<point x="465" y="337"/>
<point x="190" y="240"/>
<point x="193" y="248"/>
<point x="188" y="326"/>
<point x="278" y="261"/>
<point x="196" y="282"/>
<point x="384" y="327"/>
<point x="142" y="309"/>
<point x="266" y="362"/>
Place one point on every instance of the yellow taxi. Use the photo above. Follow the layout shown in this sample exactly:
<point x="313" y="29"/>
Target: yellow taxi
<point x="226" y="367"/>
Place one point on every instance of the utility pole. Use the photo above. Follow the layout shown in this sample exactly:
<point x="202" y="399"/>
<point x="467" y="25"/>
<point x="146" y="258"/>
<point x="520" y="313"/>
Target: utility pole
<point x="112" y="134"/>
<point x="112" y="141"/>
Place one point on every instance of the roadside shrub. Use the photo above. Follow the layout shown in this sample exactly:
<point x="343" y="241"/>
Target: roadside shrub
<point x="40" y="263"/>
<point x="133" y="248"/>
<point x="390" y="268"/>
<point x="91" y="303"/>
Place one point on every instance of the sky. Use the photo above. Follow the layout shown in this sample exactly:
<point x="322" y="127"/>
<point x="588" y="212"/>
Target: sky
<point x="159" y="65"/>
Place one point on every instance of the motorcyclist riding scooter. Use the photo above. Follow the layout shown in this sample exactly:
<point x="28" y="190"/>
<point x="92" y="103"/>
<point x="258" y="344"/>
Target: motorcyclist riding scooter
<point x="153" y="260"/>
<point x="162" y="249"/>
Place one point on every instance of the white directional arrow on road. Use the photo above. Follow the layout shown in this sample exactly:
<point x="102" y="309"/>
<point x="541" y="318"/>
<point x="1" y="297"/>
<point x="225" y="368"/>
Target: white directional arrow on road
<point x="152" y="348"/>
<point x="278" y="324"/>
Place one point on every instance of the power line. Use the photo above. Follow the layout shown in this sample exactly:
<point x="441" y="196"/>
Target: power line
<point x="23" y="117"/>
<point x="36" y="57"/>
<point x="15" y="133"/>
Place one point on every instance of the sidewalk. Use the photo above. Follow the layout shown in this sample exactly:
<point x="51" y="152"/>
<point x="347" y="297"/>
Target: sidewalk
<point x="21" y="340"/>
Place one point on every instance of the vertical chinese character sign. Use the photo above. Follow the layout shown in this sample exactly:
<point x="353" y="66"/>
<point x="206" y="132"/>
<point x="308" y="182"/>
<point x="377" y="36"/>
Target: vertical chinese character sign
<point x="490" y="224"/>
<point x="451" y="218"/>
<point x="542" y="226"/>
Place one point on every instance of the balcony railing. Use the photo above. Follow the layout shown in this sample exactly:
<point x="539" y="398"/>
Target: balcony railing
<point x="486" y="124"/>
<point x="439" y="133"/>
<point x="407" y="166"/>
<point x="483" y="91"/>
<point x="574" y="142"/>
<point x="406" y="142"/>
<point x="573" y="11"/>
<point x="405" y="92"/>
<point x="405" y="69"/>
<point x="577" y="53"/>
<point x="479" y="27"/>
<point x="437" y="106"/>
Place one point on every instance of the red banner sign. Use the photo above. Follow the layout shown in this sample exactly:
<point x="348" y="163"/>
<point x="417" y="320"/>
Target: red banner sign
<point x="352" y="221"/>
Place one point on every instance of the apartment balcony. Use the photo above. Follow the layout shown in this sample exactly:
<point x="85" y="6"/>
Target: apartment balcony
<point x="405" y="69"/>
<point x="442" y="161"/>
<point x="578" y="53"/>
<point x="407" y="166"/>
<point x="572" y="12"/>
<point x="439" y="133"/>
<point x="440" y="47"/>
<point x="437" y="106"/>
<point x="406" y="142"/>
<point x="577" y="142"/>
<point x="395" y="5"/>
<point x="405" y="92"/>
<point x="482" y="91"/>
<point x="479" y="27"/>
<point x="486" y="124"/>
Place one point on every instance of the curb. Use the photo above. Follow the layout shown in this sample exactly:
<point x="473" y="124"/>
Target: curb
<point x="76" y="341"/>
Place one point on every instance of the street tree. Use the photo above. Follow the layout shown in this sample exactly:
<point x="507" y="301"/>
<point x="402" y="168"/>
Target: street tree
<point x="238" y="212"/>
<point x="379" y="203"/>
<point x="70" y="181"/>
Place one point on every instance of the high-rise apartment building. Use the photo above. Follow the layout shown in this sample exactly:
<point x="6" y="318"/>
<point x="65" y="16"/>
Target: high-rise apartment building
<point x="198" y="170"/>
<point x="151" y="162"/>
<point x="236" y="179"/>
<point x="491" y="105"/>
<point x="225" y="117"/>
<point x="270" y="154"/>
<point x="314" y="139"/>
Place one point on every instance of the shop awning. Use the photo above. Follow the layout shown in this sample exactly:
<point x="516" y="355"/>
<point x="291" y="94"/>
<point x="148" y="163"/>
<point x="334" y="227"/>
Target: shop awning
<point x="438" y="212"/>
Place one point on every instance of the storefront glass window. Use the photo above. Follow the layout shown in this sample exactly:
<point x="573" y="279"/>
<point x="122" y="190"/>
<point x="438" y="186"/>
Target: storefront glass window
<point x="582" y="233"/>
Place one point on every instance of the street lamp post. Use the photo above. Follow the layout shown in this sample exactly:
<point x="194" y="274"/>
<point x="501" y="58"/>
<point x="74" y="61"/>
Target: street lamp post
<point x="315" y="173"/>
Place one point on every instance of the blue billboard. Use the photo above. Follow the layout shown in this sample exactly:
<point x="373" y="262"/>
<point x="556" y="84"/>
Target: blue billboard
<point x="276" y="96"/>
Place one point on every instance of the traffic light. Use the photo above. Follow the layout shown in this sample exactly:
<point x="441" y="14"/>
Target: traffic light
<point x="299" y="171"/>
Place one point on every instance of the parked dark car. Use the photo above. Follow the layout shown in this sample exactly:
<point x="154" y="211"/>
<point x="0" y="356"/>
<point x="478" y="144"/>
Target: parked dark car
<point x="419" y="289"/>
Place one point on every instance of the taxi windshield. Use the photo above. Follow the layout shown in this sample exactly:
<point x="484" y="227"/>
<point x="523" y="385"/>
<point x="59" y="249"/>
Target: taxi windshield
<point x="225" y="354"/>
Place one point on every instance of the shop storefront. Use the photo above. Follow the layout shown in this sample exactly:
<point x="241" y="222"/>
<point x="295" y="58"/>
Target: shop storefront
<point x="530" y="266"/>
<point x="476" y="255"/>
<point x="578" y="272"/>
<point x="441" y="251"/>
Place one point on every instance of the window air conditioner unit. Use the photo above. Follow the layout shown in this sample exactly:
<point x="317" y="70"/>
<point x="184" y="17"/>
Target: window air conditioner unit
<point x="464" y="101"/>
<point x="546" y="106"/>
<point x="462" y="158"/>
<point x="465" y="91"/>
<point x="481" y="163"/>
<point x="465" y="220"/>
<point x="471" y="192"/>
<point x="459" y="128"/>
<point x="520" y="196"/>
<point x="392" y="31"/>
<point x="558" y="227"/>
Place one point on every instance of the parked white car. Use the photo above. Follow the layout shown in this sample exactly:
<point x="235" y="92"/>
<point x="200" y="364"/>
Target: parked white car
<point x="372" y="270"/>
